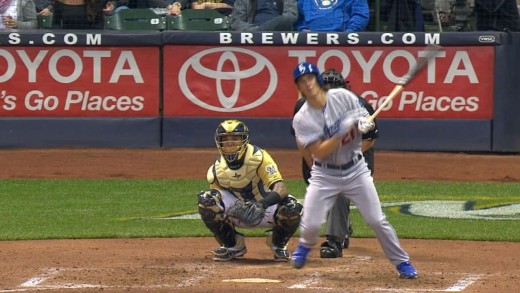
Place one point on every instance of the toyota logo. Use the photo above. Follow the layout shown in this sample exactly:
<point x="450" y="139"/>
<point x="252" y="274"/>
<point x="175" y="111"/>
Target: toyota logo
<point x="232" y="70"/>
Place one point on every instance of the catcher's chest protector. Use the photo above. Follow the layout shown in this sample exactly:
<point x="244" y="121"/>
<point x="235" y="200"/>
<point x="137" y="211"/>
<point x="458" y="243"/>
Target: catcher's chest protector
<point x="243" y="180"/>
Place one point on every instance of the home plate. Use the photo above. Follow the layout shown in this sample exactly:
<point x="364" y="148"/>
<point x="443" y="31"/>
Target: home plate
<point x="251" y="280"/>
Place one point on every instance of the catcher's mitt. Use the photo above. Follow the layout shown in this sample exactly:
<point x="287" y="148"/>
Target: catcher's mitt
<point x="249" y="213"/>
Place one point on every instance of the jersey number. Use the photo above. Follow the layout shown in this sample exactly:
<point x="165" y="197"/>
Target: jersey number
<point x="349" y="137"/>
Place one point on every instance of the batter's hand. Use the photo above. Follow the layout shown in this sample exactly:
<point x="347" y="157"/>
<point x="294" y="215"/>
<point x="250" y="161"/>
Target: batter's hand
<point x="365" y="125"/>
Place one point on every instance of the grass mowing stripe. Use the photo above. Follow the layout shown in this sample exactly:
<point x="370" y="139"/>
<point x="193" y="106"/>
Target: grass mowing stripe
<point x="123" y="208"/>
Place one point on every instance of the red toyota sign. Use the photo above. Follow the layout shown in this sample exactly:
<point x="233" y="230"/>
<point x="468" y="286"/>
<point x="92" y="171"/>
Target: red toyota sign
<point x="256" y="81"/>
<point x="79" y="82"/>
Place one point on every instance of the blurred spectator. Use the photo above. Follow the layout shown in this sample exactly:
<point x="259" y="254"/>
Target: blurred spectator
<point x="174" y="7"/>
<point x="497" y="15"/>
<point x="264" y="15"/>
<point x="114" y="6"/>
<point x="403" y="15"/>
<point x="75" y="14"/>
<point x="329" y="16"/>
<point x="18" y="14"/>
<point x="41" y="4"/>
<point x="225" y="7"/>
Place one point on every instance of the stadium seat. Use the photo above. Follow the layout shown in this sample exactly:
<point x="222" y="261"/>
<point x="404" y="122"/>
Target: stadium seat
<point x="135" y="19"/>
<point x="198" y="20"/>
<point x="44" y="21"/>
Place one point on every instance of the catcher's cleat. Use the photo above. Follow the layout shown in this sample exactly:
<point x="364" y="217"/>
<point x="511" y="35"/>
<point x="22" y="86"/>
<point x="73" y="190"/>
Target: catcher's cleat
<point x="299" y="257"/>
<point x="280" y="253"/>
<point x="331" y="249"/>
<point x="406" y="270"/>
<point x="228" y="253"/>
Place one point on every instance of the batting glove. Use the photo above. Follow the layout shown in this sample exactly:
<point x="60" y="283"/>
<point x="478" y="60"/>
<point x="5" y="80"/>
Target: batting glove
<point x="365" y="125"/>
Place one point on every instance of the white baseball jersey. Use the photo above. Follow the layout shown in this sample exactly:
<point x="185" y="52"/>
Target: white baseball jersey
<point x="311" y="125"/>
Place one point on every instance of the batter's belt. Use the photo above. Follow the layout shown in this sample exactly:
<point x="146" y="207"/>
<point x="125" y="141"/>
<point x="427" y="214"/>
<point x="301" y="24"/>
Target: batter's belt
<point x="339" y="167"/>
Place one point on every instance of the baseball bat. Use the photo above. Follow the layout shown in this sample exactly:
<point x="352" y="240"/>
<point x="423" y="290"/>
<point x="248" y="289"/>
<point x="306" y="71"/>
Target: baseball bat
<point x="409" y="76"/>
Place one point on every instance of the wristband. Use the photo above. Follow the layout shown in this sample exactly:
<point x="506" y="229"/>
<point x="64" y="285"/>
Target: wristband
<point x="272" y="198"/>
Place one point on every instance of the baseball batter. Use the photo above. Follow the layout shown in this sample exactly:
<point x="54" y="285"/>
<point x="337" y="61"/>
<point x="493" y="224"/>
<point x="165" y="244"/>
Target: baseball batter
<point x="330" y="126"/>
<point x="246" y="191"/>
<point x="339" y="226"/>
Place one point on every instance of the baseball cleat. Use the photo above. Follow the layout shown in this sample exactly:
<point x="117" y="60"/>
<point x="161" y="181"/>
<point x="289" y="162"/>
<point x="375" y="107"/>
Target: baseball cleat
<point x="346" y="243"/>
<point x="331" y="249"/>
<point x="406" y="270"/>
<point x="227" y="254"/>
<point x="280" y="254"/>
<point x="299" y="257"/>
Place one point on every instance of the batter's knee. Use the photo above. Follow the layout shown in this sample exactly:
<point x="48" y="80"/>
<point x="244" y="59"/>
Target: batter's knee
<point x="375" y="222"/>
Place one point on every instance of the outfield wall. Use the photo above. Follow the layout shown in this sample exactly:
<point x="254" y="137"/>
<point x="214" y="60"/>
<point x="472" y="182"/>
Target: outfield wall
<point x="171" y="89"/>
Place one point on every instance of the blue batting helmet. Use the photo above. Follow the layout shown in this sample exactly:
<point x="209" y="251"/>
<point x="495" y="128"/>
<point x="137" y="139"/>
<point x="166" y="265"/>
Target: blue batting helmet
<point x="306" y="68"/>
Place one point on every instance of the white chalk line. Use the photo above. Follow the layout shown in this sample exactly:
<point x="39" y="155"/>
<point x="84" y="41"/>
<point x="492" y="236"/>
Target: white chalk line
<point x="36" y="282"/>
<point x="311" y="282"/>
<point x="459" y="286"/>
<point x="462" y="284"/>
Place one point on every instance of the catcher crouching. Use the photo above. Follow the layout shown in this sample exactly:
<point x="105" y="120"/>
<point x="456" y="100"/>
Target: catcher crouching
<point x="246" y="191"/>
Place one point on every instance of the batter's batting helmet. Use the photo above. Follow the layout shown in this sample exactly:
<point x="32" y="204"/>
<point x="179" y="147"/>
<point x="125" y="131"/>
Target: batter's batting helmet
<point x="334" y="79"/>
<point x="306" y="68"/>
<point x="231" y="138"/>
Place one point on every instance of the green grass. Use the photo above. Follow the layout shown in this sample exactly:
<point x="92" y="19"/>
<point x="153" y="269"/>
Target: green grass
<point x="121" y="208"/>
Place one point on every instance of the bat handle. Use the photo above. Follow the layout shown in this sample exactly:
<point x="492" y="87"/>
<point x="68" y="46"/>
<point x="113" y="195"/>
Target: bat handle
<point x="397" y="89"/>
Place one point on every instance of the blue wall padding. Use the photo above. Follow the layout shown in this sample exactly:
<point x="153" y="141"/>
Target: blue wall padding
<point x="434" y="135"/>
<point x="80" y="132"/>
<point x="198" y="132"/>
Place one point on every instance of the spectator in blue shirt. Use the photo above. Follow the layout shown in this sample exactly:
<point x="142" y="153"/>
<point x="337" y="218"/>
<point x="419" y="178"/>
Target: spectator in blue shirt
<point x="332" y="15"/>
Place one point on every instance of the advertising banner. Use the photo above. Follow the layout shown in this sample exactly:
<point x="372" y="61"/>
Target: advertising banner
<point x="256" y="81"/>
<point x="79" y="81"/>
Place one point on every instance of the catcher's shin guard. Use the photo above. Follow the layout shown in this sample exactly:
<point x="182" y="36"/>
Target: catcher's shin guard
<point x="287" y="219"/>
<point x="212" y="213"/>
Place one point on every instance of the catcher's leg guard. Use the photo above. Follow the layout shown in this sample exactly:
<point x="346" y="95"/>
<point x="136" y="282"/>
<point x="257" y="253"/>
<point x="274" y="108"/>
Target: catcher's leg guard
<point x="287" y="220"/>
<point x="211" y="210"/>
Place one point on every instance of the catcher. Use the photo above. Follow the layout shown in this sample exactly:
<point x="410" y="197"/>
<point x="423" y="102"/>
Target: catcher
<point x="246" y="191"/>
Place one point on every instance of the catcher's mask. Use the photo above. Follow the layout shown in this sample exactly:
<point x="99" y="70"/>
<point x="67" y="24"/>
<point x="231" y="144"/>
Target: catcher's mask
<point x="334" y="79"/>
<point x="231" y="138"/>
<point x="307" y="68"/>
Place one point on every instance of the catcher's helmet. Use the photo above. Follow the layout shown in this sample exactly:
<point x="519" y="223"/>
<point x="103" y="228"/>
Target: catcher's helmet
<point x="334" y="79"/>
<point x="231" y="138"/>
<point x="307" y="68"/>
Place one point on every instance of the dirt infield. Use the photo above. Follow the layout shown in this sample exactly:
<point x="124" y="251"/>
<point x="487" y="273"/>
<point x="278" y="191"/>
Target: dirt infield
<point x="184" y="264"/>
